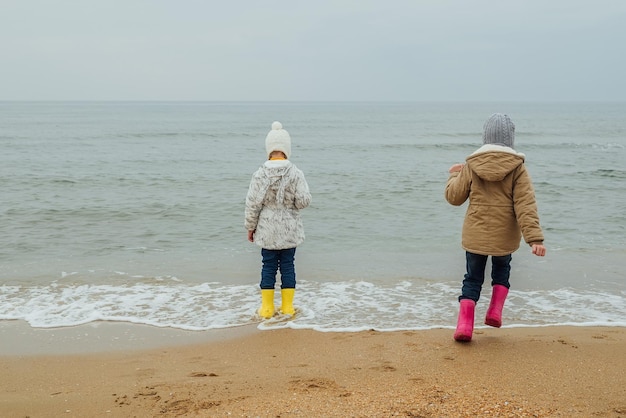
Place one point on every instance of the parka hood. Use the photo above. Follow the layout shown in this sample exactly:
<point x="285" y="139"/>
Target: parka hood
<point x="277" y="173"/>
<point x="494" y="162"/>
<point x="275" y="169"/>
<point x="277" y="165"/>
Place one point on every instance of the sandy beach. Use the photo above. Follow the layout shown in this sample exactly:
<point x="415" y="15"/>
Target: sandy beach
<point x="510" y="372"/>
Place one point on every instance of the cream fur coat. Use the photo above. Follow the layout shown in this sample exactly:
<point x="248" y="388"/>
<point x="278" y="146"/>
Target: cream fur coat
<point x="278" y="190"/>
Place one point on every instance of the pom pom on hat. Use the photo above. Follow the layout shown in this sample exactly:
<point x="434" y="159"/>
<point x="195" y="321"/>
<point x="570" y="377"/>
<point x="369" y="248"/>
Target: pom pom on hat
<point x="278" y="139"/>
<point x="499" y="130"/>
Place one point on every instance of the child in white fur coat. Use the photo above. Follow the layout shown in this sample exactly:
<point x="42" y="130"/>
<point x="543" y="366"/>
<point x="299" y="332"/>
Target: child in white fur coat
<point x="278" y="190"/>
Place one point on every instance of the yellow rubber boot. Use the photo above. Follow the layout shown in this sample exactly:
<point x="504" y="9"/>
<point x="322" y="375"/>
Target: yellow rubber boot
<point x="267" y="303"/>
<point x="287" y="301"/>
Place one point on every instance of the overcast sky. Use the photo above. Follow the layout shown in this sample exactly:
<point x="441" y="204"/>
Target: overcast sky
<point x="265" y="50"/>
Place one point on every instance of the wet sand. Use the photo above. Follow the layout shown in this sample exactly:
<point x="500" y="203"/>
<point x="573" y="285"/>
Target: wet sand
<point x="509" y="372"/>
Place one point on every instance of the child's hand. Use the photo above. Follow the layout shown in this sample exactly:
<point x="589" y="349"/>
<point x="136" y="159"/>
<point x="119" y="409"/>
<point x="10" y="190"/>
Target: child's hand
<point x="455" y="168"/>
<point x="251" y="235"/>
<point x="539" y="249"/>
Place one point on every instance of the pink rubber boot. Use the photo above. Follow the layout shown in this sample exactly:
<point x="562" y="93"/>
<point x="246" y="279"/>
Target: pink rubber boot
<point x="465" y="324"/>
<point x="494" y="313"/>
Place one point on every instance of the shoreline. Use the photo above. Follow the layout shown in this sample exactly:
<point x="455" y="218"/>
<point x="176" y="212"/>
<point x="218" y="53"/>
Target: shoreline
<point x="100" y="337"/>
<point x="559" y="371"/>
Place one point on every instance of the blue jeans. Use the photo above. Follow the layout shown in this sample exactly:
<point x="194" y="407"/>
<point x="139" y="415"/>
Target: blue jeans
<point x="274" y="260"/>
<point x="475" y="276"/>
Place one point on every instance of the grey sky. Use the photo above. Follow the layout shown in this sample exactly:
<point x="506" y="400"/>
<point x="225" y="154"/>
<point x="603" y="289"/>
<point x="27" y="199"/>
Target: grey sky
<point x="312" y="50"/>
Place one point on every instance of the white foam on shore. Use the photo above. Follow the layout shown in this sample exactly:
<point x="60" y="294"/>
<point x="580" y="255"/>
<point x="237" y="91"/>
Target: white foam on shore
<point x="347" y="306"/>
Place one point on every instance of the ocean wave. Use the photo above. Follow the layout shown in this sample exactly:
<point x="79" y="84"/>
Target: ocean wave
<point x="168" y="135"/>
<point x="578" y="145"/>
<point x="620" y="174"/>
<point x="330" y="306"/>
<point x="442" y="143"/>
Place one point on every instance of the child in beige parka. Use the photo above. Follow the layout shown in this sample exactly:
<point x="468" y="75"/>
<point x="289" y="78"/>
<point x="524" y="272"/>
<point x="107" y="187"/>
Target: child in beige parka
<point x="502" y="209"/>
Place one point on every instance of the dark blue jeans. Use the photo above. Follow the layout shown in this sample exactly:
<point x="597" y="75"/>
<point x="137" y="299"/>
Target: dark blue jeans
<point x="475" y="276"/>
<point x="274" y="260"/>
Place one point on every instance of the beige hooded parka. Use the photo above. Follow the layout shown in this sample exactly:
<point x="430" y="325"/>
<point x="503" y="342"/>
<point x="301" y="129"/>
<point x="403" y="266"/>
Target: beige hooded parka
<point x="502" y="203"/>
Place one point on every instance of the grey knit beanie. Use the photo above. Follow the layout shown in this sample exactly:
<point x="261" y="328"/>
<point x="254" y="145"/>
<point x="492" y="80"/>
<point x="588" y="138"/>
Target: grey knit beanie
<point x="499" y="130"/>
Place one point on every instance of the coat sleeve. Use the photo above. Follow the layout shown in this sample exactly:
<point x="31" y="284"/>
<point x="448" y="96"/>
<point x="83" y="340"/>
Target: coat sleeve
<point x="458" y="186"/>
<point x="302" y="197"/>
<point x="526" y="207"/>
<point x="254" y="201"/>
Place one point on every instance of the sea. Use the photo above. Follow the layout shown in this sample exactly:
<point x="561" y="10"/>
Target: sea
<point x="133" y="212"/>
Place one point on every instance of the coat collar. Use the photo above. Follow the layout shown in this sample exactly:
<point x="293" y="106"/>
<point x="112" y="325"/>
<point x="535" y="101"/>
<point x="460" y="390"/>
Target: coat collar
<point x="497" y="148"/>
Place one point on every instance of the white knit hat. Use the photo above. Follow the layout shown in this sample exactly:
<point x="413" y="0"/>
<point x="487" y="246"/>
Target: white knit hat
<point x="499" y="129"/>
<point x="278" y="139"/>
